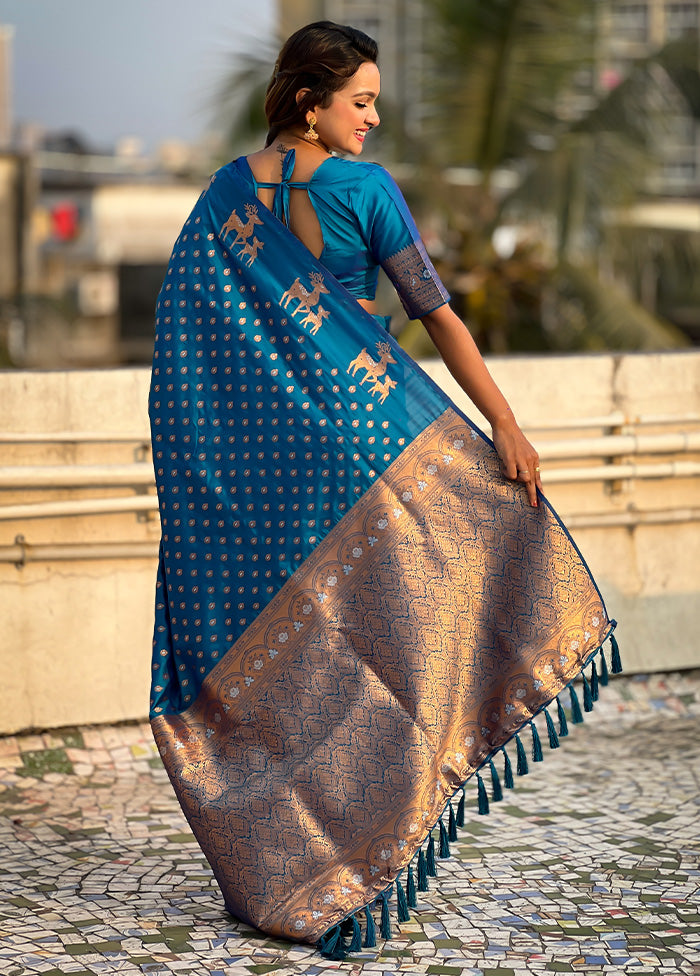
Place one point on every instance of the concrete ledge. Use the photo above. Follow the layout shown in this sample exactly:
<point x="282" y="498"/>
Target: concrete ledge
<point x="77" y="632"/>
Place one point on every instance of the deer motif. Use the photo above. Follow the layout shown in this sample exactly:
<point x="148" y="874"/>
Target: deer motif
<point x="251" y="250"/>
<point x="307" y="299"/>
<point x="316" y="319"/>
<point x="243" y="231"/>
<point x="373" y="369"/>
<point x="383" y="388"/>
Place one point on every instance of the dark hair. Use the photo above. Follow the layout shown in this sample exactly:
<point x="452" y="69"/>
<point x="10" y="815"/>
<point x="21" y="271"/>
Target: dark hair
<point x="321" y="57"/>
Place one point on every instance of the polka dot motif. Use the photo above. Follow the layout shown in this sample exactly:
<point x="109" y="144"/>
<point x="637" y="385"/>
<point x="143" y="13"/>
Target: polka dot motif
<point x="262" y="440"/>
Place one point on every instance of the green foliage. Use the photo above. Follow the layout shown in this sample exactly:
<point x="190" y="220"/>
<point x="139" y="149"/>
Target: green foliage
<point x="240" y="99"/>
<point x="503" y="65"/>
<point x="596" y="315"/>
<point x="517" y="88"/>
<point x="512" y="83"/>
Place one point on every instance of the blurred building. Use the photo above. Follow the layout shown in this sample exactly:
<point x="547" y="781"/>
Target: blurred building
<point x="5" y="86"/>
<point x="628" y="31"/>
<point x="85" y="237"/>
<point x="631" y="31"/>
<point x="89" y="236"/>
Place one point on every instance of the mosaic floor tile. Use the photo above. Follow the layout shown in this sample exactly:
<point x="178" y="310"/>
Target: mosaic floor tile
<point x="591" y="865"/>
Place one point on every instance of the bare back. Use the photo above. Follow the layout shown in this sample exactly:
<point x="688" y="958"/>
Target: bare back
<point x="266" y="167"/>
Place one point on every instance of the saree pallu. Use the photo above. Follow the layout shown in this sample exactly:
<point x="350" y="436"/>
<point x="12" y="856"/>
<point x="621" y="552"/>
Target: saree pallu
<point x="355" y="611"/>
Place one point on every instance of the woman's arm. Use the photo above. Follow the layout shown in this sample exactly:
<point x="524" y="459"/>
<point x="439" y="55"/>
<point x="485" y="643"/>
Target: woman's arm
<point x="519" y="460"/>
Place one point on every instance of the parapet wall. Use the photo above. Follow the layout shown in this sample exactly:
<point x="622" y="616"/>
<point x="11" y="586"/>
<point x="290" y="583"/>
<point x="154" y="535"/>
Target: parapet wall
<point x="619" y="438"/>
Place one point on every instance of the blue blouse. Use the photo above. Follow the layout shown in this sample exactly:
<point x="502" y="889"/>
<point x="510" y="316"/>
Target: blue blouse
<point x="365" y="223"/>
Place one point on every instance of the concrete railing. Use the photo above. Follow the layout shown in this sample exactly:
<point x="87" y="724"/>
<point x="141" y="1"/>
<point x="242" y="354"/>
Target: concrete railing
<point x="139" y="475"/>
<point x="619" y="442"/>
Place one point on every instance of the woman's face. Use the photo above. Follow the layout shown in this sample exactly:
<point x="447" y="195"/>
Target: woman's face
<point x="351" y="113"/>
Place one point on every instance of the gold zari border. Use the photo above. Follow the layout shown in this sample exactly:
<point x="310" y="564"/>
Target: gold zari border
<point x="436" y="618"/>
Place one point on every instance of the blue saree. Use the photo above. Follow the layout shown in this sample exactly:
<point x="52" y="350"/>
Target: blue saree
<point x="355" y="611"/>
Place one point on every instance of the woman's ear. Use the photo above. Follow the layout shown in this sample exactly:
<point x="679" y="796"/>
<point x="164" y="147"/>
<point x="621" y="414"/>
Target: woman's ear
<point x="301" y="94"/>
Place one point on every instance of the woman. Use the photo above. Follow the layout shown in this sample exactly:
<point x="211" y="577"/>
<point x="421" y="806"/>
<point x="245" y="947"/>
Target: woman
<point x="360" y="601"/>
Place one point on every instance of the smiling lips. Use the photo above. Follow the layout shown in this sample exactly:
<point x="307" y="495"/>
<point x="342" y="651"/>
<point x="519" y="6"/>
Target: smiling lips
<point x="361" y="133"/>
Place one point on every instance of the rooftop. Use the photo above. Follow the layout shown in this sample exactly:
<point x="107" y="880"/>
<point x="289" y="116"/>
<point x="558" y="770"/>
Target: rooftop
<point x="589" y="866"/>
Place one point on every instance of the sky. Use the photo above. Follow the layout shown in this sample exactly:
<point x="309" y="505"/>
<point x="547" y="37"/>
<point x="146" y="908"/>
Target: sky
<point x="144" y="68"/>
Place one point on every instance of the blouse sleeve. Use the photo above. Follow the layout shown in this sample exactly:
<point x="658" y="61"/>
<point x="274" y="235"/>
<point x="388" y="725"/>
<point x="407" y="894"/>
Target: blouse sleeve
<point x="394" y="241"/>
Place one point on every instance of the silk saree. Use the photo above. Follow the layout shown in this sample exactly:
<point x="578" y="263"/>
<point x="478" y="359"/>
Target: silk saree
<point x="356" y="614"/>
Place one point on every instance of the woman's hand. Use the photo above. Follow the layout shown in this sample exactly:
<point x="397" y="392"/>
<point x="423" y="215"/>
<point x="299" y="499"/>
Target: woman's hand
<point x="519" y="460"/>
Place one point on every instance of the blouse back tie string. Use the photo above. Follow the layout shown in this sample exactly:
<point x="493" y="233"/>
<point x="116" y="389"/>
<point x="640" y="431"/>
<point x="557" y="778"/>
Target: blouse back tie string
<point x="280" y="203"/>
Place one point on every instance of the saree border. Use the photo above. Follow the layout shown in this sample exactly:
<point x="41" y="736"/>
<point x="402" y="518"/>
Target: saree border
<point x="436" y="460"/>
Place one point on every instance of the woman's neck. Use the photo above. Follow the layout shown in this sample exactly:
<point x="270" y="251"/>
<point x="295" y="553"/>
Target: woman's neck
<point x="290" y="139"/>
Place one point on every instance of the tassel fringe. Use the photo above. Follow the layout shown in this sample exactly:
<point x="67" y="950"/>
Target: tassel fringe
<point x="536" y="744"/>
<point x="385" y="923"/>
<point x="422" y="872"/>
<point x="551" y="731"/>
<point x="430" y="858"/>
<point x="615" y="662"/>
<point x="576" y="716"/>
<point x="482" y="797"/>
<point x="561" y="715"/>
<point x="508" y="771"/>
<point x="411" y="899"/>
<point x="460" y="810"/>
<point x="370" y="930"/>
<point x="496" y="791"/>
<point x="444" y="850"/>
<point x="356" y="942"/>
<point x="452" y="826"/>
<point x="587" y="696"/>
<point x="401" y="903"/>
<point x="332" y="944"/>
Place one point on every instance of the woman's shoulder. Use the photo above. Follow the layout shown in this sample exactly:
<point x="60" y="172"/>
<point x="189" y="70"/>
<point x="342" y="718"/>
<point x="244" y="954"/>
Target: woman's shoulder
<point x="338" y="169"/>
<point x="237" y="165"/>
<point x="334" y="170"/>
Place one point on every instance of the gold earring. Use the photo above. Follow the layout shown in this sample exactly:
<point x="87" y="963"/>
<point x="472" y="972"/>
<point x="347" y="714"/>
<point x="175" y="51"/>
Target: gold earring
<point x="311" y="133"/>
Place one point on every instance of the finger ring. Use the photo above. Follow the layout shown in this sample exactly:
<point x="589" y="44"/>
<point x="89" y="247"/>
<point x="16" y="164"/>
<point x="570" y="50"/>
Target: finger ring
<point x="537" y="468"/>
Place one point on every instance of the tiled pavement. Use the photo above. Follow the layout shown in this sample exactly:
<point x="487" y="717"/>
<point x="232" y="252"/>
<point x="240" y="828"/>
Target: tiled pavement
<point x="591" y="865"/>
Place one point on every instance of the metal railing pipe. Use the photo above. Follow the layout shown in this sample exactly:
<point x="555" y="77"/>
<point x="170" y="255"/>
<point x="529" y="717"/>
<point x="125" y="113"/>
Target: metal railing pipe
<point x="631" y="519"/>
<point x="618" y="472"/>
<point x="79" y="506"/>
<point x="75" y="437"/>
<point x="77" y="475"/>
<point x="22" y="552"/>
<point x="614" y="445"/>
<point x="616" y="419"/>
<point x="141" y="472"/>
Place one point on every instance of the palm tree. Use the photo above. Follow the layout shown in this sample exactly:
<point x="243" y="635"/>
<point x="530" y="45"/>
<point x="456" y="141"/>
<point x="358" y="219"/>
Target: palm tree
<point x="512" y="85"/>
<point x="239" y="100"/>
<point x="514" y="88"/>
